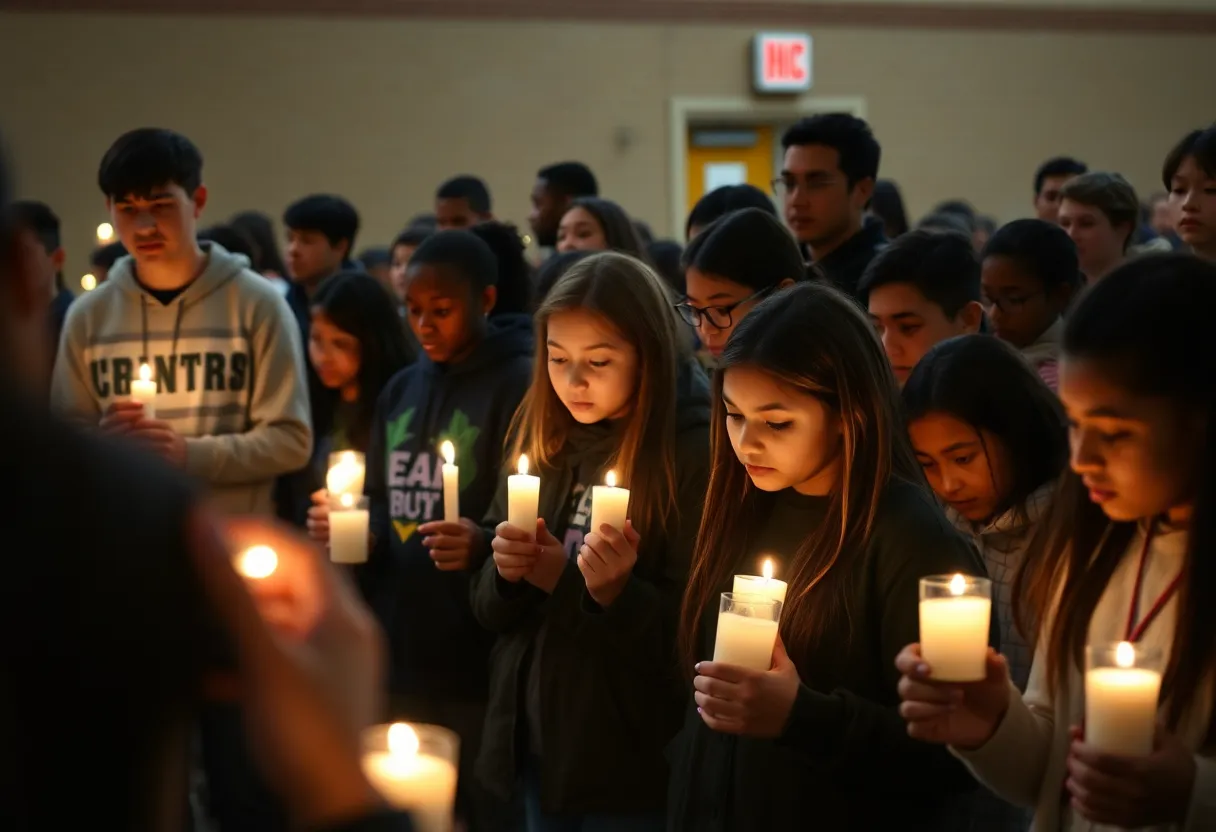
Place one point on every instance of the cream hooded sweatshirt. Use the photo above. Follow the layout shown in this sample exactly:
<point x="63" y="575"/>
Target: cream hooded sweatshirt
<point x="228" y="362"/>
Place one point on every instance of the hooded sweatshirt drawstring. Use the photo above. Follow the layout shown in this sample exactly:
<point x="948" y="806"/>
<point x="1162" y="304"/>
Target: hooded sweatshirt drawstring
<point x="177" y="329"/>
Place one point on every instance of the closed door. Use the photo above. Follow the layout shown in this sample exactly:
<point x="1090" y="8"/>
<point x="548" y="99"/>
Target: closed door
<point x="732" y="155"/>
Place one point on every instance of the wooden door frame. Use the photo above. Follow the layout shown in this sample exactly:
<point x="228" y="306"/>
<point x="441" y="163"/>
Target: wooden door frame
<point x="734" y="110"/>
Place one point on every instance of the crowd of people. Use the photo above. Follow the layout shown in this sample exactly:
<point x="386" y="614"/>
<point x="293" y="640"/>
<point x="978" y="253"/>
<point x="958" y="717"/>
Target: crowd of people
<point x="809" y="380"/>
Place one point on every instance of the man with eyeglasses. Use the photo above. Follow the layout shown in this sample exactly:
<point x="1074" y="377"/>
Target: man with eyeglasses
<point x="827" y="179"/>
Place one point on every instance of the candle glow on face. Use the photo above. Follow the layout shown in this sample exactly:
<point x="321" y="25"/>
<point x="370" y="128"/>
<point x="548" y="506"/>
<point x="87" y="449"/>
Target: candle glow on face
<point x="403" y="741"/>
<point x="449" y="452"/>
<point x="258" y="562"/>
<point x="958" y="585"/>
<point x="522" y="468"/>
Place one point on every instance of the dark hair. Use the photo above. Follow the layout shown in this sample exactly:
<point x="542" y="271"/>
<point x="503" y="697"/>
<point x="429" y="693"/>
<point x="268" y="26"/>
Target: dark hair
<point x="666" y="255"/>
<point x="817" y="340"/>
<point x="1111" y="194"/>
<point x="984" y="382"/>
<point x="1145" y="324"/>
<point x="1059" y="166"/>
<point x="414" y="236"/>
<point x="143" y="160"/>
<point x="941" y="265"/>
<point x="331" y="215"/>
<point x="356" y="303"/>
<point x="375" y="256"/>
<point x="985" y="223"/>
<point x="232" y="239"/>
<point x="1199" y="145"/>
<point x="945" y="221"/>
<point x="572" y="179"/>
<point x="553" y="269"/>
<point x="469" y="188"/>
<point x="887" y="204"/>
<point x="514" y="274"/>
<point x="1041" y="249"/>
<point x="619" y="233"/>
<point x="38" y="218"/>
<point x="464" y="253"/>
<point x="726" y="200"/>
<point x="260" y="229"/>
<point x="645" y="234"/>
<point x="848" y="135"/>
<point x="749" y="247"/>
<point x="424" y="220"/>
<point x="956" y="206"/>
<point x="109" y="254"/>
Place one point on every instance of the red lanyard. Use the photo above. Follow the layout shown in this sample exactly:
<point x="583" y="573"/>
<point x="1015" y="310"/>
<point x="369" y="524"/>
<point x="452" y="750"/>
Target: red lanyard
<point x="1135" y="631"/>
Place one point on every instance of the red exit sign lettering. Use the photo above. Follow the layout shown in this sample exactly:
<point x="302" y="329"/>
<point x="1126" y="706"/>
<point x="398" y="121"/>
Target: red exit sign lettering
<point x="782" y="62"/>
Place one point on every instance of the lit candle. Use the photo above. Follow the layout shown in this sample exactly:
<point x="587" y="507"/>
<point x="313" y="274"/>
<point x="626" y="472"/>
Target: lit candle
<point x="105" y="233"/>
<point x="346" y="471"/>
<point x="609" y="504"/>
<point x="88" y="282"/>
<point x="451" y="483"/>
<point x="414" y="768"/>
<point x="1121" y="689"/>
<point x="143" y="390"/>
<point x="747" y="631"/>
<point x="955" y="613"/>
<point x="257" y="562"/>
<point x="523" y="498"/>
<point x="348" y="528"/>
<point x="762" y="586"/>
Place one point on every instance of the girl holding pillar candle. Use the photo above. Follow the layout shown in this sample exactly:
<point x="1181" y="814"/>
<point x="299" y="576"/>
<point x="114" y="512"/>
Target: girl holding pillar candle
<point x="811" y="465"/>
<point x="1125" y="557"/>
<point x="586" y="616"/>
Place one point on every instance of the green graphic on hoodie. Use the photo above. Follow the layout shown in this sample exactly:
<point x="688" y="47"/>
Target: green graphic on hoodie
<point x="415" y="476"/>
<point x="398" y="432"/>
<point x="463" y="435"/>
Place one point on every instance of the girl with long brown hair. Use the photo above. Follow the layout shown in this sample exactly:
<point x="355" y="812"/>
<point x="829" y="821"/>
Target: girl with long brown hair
<point x="811" y="467"/>
<point x="583" y="693"/>
<point x="1126" y="556"/>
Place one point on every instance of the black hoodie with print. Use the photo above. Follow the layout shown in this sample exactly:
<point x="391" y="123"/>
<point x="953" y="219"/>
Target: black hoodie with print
<point x="593" y="692"/>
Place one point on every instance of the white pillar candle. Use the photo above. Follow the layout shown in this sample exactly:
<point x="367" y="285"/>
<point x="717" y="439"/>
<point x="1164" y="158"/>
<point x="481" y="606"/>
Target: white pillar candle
<point x="523" y="498"/>
<point x="763" y="586"/>
<point x="609" y="504"/>
<point x="1121" y="700"/>
<point x="415" y="774"/>
<point x="747" y="631"/>
<point x="346" y="473"/>
<point x="143" y="390"/>
<point x="955" y="613"/>
<point x="348" y="529"/>
<point x="451" y="483"/>
<point x="257" y="562"/>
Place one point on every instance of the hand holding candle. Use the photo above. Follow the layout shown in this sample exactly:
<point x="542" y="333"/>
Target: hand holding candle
<point x="451" y="483"/>
<point x="414" y="768"/>
<point x="609" y="504"/>
<point x="523" y="499"/>
<point x="955" y="615"/>
<point x="143" y="390"/>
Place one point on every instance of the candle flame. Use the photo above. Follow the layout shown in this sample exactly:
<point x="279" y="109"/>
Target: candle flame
<point x="402" y="740"/>
<point x="610" y="479"/>
<point x="1125" y="654"/>
<point x="958" y="585"/>
<point x="449" y="452"/>
<point x="523" y="464"/>
<point x="145" y="372"/>
<point x="348" y="457"/>
<point x="767" y="571"/>
<point x="347" y="500"/>
<point x="88" y="282"/>
<point x="105" y="232"/>
<point x="258" y="562"/>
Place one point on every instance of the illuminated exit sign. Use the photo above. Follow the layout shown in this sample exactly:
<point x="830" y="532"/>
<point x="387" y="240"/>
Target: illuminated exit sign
<point x="781" y="62"/>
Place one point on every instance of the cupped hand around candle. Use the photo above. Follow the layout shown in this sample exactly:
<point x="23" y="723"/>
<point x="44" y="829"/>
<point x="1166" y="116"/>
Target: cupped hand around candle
<point x="318" y="517"/>
<point x="606" y="559"/>
<point x="1131" y="792"/>
<point x="161" y="438"/>
<point x="965" y="714"/>
<point x="514" y="552"/>
<point x="451" y="545"/>
<point x="735" y="700"/>
<point x="120" y="417"/>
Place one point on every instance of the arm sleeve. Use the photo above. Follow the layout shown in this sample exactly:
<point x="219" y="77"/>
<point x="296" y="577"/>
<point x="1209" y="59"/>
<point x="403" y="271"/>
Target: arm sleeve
<point x="71" y="390"/>
<point x="499" y="605"/>
<point x="867" y="740"/>
<point x="279" y="438"/>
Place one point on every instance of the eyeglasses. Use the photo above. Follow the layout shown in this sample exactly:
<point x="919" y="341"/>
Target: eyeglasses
<point x="719" y="317"/>
<point x="1008" y="304"/>
<point x="784" y="185"/>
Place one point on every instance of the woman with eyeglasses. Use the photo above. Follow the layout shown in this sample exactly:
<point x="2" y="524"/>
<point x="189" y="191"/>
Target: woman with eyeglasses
<point x="1029" y="273"/>
<point x="732" y="265"/>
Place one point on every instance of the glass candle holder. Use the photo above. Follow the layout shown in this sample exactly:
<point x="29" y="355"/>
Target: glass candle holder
<point x="414" y="767"/>
<point x="955" y="615"/>
<point x="1122" y="685"/>
<point x="747" y="630"/>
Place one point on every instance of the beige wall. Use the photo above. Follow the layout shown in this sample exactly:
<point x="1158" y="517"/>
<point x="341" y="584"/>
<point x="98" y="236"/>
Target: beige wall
<point x="382" y="110"/>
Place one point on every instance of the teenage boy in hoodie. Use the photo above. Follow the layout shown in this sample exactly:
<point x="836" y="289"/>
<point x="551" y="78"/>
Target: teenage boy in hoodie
<point x="231" y="405"/>
<point x="470" y="377"/>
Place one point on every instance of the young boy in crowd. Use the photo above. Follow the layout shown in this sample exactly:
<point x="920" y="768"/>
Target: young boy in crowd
<point x="1048" y="180"/>
<point x="557" y="186"/>
<point x="1099" y="211"/>
<point x="462" y="202"/>
<point x="827" y="179"/>
<point x="231" y="405"/>
<point x="464" y="388"/>
<point x="37" y="229"/>
<point x="321" y="231"/>
<point x="921" y="290"/>
<point x="1028" y="275"/>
